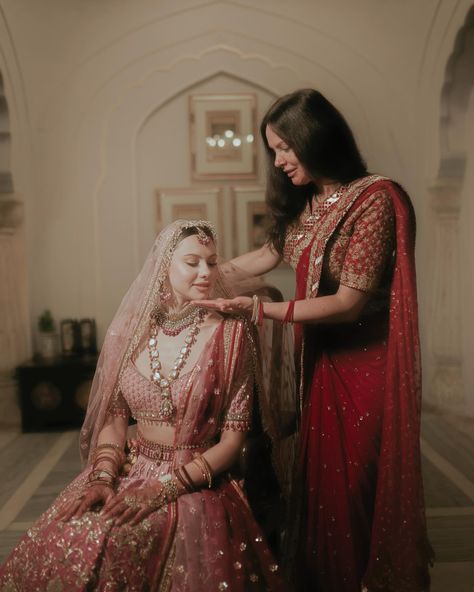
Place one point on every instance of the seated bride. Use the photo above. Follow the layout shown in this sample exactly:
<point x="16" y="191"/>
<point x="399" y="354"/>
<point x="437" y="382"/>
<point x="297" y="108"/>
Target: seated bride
<point x="169" y="516"/>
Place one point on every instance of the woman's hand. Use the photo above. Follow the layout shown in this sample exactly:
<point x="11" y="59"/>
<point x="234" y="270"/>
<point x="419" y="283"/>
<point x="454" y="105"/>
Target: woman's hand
<point x="134" y="504"/>
<point x="93" y="495"/>
<point x="242" y="305"/>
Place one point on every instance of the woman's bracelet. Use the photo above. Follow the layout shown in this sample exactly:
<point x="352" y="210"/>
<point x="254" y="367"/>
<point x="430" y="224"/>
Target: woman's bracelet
<point x="106" y="457"/>
<point x="255" y="306"/>
<point x="109" y="445"/>
<point x="170" y="487"/>
<point x="101" y="477"/>
<point x="187" y="484"/>
<point x="205" y="468"/>
<point x="101" y="474"/>
<point x="289" y="312"/>
<point x="110" y="454"/>
<point x="110" y="448"/>
<point x="260" y="314"/>
<point x="187" y="476"/>
<point x="257" y="311"/>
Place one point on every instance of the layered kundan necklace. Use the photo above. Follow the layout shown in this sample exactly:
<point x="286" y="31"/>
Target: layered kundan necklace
<point x="191" y="317"/>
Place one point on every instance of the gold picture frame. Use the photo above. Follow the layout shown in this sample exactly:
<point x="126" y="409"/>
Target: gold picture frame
<point x="250" y="212"/>
<point x="223" y="136"/>
<point x="193" y="204"/>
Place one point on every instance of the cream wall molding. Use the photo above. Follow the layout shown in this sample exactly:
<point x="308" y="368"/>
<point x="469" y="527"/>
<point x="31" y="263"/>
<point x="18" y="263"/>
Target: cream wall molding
<point x="227" y="19"/>
<point x="113" y="120"/>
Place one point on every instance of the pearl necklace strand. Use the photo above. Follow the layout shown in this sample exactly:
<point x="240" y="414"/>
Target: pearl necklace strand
<point x="157" y="377"/>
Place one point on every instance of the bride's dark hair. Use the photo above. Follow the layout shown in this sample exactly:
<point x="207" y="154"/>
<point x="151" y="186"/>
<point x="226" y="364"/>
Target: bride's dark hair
<point x="324" y="144"/>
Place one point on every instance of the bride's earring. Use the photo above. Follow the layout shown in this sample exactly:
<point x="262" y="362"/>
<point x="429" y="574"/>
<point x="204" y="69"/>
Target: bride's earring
<point x="165" y="292"/>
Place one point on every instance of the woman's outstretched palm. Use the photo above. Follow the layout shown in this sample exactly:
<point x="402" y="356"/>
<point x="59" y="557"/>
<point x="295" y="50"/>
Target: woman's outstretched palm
<point x="238" y="305"/>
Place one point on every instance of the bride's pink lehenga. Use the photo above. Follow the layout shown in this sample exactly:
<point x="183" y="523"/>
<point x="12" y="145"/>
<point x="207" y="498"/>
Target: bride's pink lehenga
<point x="207" y="540"/>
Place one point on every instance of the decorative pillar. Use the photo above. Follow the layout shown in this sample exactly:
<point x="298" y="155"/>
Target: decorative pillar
<point x="13" y="317"/>
<point x="446" y="343"/>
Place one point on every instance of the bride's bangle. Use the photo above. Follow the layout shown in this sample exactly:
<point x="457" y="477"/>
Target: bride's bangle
<point x="181" y="477"/>
<point x="205" y="468"/>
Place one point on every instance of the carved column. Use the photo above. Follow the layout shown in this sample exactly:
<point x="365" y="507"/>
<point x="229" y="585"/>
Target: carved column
<point x="446" y="344"/>
<point x="13" y="318"/>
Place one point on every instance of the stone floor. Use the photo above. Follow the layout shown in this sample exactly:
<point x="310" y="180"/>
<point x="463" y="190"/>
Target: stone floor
<point x="35" y="467"/>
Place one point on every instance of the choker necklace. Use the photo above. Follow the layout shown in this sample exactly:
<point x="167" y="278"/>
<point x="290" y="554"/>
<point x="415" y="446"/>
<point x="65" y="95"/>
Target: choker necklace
<point x="321" y="207"/>
<point x="157" y="377"/>
<point x="172" y="324"/>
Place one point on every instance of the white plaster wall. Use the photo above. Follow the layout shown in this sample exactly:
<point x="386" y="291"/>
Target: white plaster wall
<point x="163" y="158"/>
<point x="89" y="101"/>
<point x="95" y="84"/>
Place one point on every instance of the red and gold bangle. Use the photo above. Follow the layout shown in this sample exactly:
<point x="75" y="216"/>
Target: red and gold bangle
<point x="205" y="469"/>
<point x="289" y="312"/>
<point x="187" y="476"/>
<point x="182" y="479"/>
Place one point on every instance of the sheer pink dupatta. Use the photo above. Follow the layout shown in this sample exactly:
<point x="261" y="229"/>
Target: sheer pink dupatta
<point x="128" y="327"/>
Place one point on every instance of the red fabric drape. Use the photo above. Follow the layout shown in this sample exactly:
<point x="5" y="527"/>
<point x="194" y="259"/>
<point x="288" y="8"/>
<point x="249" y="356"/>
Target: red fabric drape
<point x="399" y="551"/>
<point x="361" y="511"/>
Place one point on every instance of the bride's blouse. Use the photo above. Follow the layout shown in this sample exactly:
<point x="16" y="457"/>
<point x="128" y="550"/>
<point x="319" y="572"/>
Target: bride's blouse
<point x="141" y="398"/>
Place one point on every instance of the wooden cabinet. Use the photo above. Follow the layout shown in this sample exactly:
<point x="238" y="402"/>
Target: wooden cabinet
<point x="54" y="393"/>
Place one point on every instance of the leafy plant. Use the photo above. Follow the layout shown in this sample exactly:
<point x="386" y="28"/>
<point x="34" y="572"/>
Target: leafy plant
<point x="46" y="322"/>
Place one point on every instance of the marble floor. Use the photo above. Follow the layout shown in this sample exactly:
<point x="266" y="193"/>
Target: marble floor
<point x="35" y="467"/>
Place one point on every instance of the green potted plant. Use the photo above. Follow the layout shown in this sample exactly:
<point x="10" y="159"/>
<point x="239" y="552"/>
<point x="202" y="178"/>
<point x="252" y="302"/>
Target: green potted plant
<point x="47" y="336"/>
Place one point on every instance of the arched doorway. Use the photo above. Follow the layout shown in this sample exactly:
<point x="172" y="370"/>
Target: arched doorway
<point x="451" y="340"/>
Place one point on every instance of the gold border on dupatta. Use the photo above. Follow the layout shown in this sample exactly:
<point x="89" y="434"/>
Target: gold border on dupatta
<point x="163" y="577"/>
<point x="326" y="229"/>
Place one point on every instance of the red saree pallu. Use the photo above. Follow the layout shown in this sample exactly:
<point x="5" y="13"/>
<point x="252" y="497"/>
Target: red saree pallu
<point x="358" y="510"/>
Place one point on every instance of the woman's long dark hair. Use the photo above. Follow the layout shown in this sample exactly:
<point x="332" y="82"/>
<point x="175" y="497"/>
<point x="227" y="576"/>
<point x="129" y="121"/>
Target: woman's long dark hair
<point x="324" y="144"/>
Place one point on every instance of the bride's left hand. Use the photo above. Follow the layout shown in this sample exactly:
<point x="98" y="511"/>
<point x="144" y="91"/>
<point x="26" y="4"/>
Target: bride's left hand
<point x="134" y="504"/>
<point x="239" y="305"/>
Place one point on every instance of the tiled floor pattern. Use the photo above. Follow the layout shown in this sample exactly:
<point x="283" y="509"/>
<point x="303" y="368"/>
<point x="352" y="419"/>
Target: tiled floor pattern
<point x="35" y="467"/>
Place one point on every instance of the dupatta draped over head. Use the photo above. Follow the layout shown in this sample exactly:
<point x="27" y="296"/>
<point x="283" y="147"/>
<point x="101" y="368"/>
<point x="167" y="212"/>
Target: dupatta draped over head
<point x="129" y="325"/>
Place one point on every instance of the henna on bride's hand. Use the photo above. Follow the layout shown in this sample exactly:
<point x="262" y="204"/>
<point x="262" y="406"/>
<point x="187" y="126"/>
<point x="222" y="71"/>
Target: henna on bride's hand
<point x="87" y="500"/>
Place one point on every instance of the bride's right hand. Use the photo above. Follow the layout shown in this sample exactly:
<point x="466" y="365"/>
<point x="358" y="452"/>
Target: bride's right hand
<point x="90" y="497"/>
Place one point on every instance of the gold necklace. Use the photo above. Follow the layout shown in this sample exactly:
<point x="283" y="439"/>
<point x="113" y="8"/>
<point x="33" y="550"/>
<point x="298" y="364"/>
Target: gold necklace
<point x="173" y="323"/>
<point x="322" y="206"/>
<point x="167" y="408"/>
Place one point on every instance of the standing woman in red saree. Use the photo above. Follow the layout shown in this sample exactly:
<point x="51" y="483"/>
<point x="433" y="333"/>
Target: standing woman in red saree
<point x="357" y="515"/>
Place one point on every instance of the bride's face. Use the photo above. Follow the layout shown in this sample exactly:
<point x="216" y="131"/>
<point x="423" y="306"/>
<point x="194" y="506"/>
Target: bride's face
<point x="193" y="270"/>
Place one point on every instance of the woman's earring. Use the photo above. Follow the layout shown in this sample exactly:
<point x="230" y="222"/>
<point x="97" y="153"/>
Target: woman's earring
<point x="165" y="292"/>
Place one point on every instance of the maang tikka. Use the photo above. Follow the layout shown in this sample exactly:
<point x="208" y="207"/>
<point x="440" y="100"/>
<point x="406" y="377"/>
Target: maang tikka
<point x="202" y="237"/>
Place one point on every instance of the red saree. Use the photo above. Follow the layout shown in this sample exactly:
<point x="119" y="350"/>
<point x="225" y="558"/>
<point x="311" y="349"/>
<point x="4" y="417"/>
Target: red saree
<point x="359" y="520"/>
